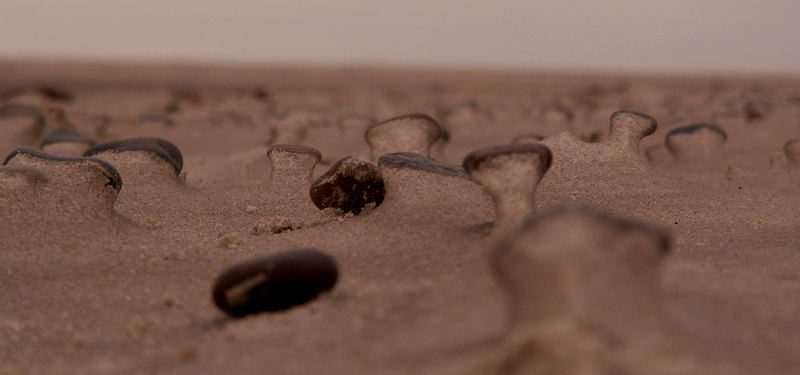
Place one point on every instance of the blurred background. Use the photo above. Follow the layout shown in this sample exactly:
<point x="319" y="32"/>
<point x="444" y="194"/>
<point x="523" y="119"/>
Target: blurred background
<point x="722" y="36"/>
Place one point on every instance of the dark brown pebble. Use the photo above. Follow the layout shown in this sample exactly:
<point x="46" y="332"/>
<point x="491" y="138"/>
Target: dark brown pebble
<point x="158" y="146"/>
<point x="114" y="178"/>
<point x="414" y="161"/>
<point x="474" y="159"/>
<point x="274" y="282"/>
<point x="349" y="185"/>
<point x="66" y="135"/>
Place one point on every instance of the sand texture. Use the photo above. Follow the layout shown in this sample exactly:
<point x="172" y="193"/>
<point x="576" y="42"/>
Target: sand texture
<point x="637" y="225"/>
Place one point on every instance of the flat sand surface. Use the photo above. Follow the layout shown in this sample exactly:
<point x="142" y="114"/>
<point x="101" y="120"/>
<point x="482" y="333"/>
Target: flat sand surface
<point x="99" y="282"/>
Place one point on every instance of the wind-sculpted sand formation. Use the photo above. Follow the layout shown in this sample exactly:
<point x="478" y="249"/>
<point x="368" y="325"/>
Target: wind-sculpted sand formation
<point x="218" y="220"/>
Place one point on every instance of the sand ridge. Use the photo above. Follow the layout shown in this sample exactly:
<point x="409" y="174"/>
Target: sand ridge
<point x="129" y="290"/>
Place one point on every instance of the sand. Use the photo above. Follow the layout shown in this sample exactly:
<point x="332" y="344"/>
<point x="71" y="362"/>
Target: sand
<point x="632" y="255"/>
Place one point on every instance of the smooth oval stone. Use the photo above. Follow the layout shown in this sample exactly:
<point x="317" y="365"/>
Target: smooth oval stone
<point x="349" y="185"/>
<point x="275" y="282"/>
<point x="114" y="178"/>
<point x="474" y="159"/>
<point x="66" y="135"/>
<point x="158" y="146"/>
<point x="411" y="160"/>
<point x="697" y="127"/>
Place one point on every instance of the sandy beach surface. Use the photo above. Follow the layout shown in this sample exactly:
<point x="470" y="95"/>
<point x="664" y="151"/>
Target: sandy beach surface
<point x="664" y="239"/>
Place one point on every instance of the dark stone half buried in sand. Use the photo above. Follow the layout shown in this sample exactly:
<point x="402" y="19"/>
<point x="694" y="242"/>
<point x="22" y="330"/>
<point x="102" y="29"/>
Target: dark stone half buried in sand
<point x="158" y="146"/>
<point x="275" y="282"/>
<point x="349" y="185"/>
<point x="410" y="160"/>
<point x="114" y="178"/>
<point x="66" y="135"/>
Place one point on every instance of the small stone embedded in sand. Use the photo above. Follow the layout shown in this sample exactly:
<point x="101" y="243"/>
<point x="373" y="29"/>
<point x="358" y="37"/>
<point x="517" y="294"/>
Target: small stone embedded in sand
<point x="274" y="282"/>
<point x="67" y="142"/>
<point x="792" y="151"/>
<point x="349" y="185"/>
<point x="162" y="148"/>
<point x="409" y="133"/>
<point x="510" y="173"/>
<point x="696" y="143"/>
